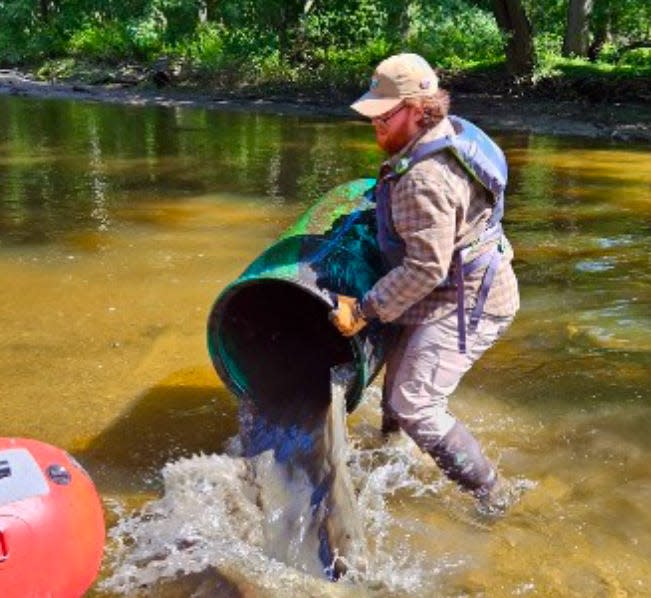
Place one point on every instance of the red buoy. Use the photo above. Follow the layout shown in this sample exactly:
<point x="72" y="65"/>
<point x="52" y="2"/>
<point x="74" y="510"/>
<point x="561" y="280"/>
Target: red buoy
<point x="51" y="522"/>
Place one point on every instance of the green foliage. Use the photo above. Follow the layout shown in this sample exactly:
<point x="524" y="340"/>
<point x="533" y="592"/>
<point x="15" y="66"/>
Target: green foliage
<point x="145" y="34"/>
<point x="100" y="41"/>
<point x="603" y="74"/>
<point x="456" y="35"/>
<point x="295" y="42"/>
<point x="353" y="25"/>
<point x="548" y="47"/>
<point x="629" y="19"/>
<point x="547" y="17"/>
<point x="206" y="48"/>
<point x="17" y="24"/>
<point x="340" y="67"/>
<point x="176" y="19"/>
<point x="640" y="58"/>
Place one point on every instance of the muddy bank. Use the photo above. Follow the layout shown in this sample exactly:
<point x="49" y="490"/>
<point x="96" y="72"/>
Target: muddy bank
<point x="622" y="121"/>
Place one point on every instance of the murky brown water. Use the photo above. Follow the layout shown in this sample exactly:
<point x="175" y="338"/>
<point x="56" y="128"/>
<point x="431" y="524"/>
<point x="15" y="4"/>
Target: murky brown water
<point x="118" y="228"/>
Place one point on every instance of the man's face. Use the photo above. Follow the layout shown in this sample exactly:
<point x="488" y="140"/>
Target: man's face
<point x="395" y="128"/>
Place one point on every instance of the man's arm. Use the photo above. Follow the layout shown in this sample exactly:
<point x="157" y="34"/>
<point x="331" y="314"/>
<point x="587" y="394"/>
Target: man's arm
<point x="424" y="215"/>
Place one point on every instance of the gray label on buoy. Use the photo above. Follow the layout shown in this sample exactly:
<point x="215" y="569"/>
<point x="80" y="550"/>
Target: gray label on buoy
<point x="22" y="477"/>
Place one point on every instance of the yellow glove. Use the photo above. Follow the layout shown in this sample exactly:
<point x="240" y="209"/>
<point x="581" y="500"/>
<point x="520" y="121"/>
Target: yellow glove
<point x="348" y="317"/>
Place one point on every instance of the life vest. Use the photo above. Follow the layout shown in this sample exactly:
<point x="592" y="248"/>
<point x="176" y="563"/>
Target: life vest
<point x="484" y="161"/>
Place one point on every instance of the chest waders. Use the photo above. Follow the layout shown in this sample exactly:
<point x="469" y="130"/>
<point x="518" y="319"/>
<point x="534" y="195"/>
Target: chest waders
<point x="485" y="163"/>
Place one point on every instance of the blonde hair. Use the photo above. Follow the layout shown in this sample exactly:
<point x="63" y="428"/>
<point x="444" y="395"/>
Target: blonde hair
<point x="435" y="107"/>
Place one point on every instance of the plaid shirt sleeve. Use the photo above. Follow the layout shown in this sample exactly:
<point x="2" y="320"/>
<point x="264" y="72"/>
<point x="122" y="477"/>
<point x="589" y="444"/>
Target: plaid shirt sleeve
<point x="424" y="215"/>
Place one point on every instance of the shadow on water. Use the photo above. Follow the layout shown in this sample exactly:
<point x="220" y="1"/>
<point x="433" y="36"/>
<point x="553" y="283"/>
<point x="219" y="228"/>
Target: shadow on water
<point x="165" y="424"/>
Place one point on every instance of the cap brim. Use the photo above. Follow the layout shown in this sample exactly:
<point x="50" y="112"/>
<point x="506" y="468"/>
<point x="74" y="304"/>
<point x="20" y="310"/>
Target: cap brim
<point x="370" y="105"/>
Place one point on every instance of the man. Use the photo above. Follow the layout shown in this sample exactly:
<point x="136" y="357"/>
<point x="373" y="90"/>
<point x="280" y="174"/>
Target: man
<point x="432" y="213"/>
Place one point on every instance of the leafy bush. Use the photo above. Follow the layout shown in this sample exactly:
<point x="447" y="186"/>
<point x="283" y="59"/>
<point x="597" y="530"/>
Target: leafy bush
<point x="146" y="33"/>
<point x="350" y="67"/>
<point x="205" y="49"/>
<point x="10" y="52"/>
<point x="639" y="57"/>
<point x="240" y="56"/>
<point x="175" y="20"/>
<point x="100" y="41"/>
<point x="456" y="35"/>
<point x="548" y="46"/>
<point x="353" y="26"/>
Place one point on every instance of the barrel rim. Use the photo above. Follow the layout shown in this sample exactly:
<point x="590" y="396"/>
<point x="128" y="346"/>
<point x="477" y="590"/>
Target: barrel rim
<point x="215" y="346"/>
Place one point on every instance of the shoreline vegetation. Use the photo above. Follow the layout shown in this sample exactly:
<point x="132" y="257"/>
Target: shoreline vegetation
<point x="562" y="67"/>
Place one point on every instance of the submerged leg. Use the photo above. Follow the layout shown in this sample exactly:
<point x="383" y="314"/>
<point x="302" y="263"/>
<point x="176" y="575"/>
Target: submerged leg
<point x="396" y="343"/>
<point x="422" y="373"/>
<point x="390" y="422"/>
<point x="460" y="457"/>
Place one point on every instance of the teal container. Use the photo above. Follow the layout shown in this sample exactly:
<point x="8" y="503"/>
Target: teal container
<point x="269" y="336"/>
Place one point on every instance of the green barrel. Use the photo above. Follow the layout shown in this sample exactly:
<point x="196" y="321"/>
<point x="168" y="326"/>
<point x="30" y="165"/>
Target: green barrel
<point x="269" y="335"/>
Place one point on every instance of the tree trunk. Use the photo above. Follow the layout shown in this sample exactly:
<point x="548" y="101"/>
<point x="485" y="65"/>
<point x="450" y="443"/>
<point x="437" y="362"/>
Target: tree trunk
<point x="212" y="10"/>
<point x="285" y="17"/>
<point x="203" y="12"/>
<point x="44" y="6"/>
<point x="601" y="35"/>
<point x="576" y="38"/>
<point x="291" y="29"/>
<point x="512" y="20"/>
<point x="398" y="21"/>
<point x="601" y="24"/>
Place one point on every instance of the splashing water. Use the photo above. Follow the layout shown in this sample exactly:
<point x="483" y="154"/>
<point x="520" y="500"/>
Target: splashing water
<point x="265" y="519"/>
<point x="299" y="466"/>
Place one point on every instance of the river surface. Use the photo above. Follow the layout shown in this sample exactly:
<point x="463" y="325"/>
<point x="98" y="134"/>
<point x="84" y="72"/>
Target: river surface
<point x="120" y="225"/>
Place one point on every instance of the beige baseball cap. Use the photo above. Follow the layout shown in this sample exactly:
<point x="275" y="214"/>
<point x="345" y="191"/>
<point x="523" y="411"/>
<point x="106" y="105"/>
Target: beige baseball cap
<point x="398" y="77"/>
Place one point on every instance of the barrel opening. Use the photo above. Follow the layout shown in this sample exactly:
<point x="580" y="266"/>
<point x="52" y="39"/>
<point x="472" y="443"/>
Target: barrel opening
<point x="272" y="341"/>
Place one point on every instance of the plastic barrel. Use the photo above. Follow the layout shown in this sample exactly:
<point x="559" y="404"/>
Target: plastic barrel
<point x="269" y="335"/>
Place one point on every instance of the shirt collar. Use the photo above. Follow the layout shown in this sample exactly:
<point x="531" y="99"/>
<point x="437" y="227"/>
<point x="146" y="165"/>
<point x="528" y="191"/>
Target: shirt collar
<point x="441" y="129"/>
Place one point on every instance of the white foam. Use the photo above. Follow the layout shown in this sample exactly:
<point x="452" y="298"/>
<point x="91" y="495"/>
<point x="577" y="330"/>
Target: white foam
<point x="208" y="516"/>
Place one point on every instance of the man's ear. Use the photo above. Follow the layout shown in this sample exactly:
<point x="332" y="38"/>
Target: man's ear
<point x="418" y="112"/>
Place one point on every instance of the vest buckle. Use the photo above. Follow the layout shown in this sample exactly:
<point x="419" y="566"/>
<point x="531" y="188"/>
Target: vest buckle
<point x="402" y="165"/>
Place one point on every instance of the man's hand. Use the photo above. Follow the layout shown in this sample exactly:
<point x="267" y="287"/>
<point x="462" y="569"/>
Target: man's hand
<point x="348" y="317"/>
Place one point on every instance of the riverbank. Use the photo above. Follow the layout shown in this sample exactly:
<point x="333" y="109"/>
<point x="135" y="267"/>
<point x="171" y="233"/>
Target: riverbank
<point x="621" y="121"/>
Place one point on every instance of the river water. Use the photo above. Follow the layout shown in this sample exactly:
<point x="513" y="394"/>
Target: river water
<point x="120" y="225"/>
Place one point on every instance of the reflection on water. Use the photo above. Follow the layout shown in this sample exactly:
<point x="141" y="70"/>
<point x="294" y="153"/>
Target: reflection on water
<point x="69" y="166"/>
<point x="118" y="228"/>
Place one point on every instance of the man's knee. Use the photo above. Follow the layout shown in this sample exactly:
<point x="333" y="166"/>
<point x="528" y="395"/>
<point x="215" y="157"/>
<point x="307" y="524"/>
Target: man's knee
<point x="417" y="399"/>
<point x="426" y="420"/>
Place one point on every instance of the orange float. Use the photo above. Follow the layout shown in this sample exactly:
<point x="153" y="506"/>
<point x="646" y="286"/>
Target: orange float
<point x="51" y="522"/>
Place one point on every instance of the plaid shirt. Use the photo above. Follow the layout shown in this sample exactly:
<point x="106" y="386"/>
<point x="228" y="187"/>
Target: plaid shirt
<point x="436" y="208"/>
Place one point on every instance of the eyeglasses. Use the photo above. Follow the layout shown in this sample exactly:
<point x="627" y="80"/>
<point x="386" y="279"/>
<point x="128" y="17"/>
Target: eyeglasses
<point x="385" y="118"/>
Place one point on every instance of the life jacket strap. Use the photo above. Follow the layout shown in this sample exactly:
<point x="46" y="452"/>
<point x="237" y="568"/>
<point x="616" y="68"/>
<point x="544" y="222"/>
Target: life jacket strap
<point x="484" y="288"/>
<point x="461" y="307"/>
<point x="490" y="261"/>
